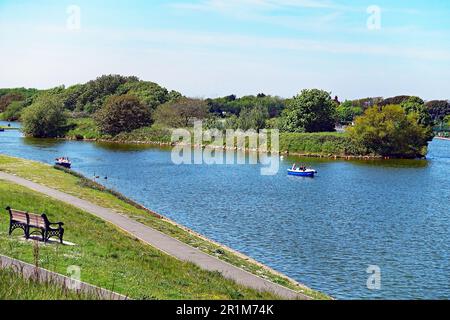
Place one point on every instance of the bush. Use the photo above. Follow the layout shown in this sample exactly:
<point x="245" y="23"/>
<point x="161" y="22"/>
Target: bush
<point x="45" y="118"/>
<point x="390" y="131"/>
<point x="13" y="111"/>
<point x="122" y="114"/>
<point x="180" y="113"/>
<point x="311" y="111"/>
<point x="320" y="143"/>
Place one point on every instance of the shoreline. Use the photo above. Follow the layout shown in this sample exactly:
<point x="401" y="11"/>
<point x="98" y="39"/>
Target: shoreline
<point x="225" y="148"/>
<point x="293" y="284"/>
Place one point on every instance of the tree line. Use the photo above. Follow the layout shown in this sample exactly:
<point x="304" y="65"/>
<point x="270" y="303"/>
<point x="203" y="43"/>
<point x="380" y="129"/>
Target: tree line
<point x="394" y="126"/>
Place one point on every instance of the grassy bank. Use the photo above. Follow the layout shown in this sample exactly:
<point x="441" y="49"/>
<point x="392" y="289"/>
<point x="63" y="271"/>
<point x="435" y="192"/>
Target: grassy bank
<point x="109" y="258"/>
<point x="14" y="287"/>
<point x="84" y="188"/>
<point x="320" y="144"/>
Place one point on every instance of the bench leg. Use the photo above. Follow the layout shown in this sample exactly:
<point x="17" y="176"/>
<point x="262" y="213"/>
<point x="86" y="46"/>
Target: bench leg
<point x="61" y="234"/>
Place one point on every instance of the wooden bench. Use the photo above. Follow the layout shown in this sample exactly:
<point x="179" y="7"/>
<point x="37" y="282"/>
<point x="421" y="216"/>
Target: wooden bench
<point x="27" y="221"/>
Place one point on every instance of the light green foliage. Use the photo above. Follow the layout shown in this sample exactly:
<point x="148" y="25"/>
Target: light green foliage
<point x="346" y="112"/>
<point x="311" y="111"/>
<point x="447" y="120"/>
<point x="45" y="118"/>
<point x="390" y="131"/>
<point x="326" y="143"/>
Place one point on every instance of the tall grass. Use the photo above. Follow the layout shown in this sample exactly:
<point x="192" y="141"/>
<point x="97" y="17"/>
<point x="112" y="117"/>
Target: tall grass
<point x="108" y="257"/>
<point x="14" y="286"/>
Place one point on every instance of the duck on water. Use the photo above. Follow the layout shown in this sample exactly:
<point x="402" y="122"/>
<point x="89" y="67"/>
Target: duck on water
<point x="302" y="171"/>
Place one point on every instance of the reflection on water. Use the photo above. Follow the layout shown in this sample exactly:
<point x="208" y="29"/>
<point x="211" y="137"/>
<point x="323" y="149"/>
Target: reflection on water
<point x="324" y="232"/>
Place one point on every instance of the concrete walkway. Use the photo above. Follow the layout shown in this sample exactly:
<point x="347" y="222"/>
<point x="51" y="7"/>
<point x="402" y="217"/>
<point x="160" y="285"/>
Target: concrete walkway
<point x="161" y="241"/>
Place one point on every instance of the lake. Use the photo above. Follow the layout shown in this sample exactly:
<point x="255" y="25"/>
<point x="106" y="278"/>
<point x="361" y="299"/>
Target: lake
<point x="324" y="232"/>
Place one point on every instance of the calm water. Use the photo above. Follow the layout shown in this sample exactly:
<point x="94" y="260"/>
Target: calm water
<point x="324" y="232"/>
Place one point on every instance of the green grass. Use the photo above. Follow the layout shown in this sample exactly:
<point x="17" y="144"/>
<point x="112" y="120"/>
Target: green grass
<point x="83" y="128"/>
<point x="14" y="287"/>
<point x="319" y="144"/>
<point x="8" y="128"/>
<point x="110" y="258"/>
<point x="323" y="143"/>
<point x="84" y="188"/>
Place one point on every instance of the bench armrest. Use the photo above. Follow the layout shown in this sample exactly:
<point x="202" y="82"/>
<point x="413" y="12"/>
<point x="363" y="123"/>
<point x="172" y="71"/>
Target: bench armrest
<point x="58" y="223"/>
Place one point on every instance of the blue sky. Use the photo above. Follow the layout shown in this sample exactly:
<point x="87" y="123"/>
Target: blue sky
<point x="208" y="48"/>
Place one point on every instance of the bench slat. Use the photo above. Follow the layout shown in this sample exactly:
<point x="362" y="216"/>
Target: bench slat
<point x="37" y="221"/>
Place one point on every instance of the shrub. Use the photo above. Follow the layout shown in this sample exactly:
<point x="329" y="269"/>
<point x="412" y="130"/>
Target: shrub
<point x="311" y="111"/>
<point x="122" y="114"/>
<point x="390" y="131"/>
<point x="45" y="118"/>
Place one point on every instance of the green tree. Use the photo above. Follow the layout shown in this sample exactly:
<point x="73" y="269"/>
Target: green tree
<point x="45" y="118"/>
<point x="447" y="120"/>
<point x="180" y="113"/>
<point x="253" y="118"/>
<point x="149" y="93"/>
<point x="438" y="109"/>
<point x="390" y="131"/>
<point x="13" y="111"/>
<point x="311" y="111"/>
<point x="417" y="105"/>
<point x="122" y="114"/>
<point x="346" y="112"/>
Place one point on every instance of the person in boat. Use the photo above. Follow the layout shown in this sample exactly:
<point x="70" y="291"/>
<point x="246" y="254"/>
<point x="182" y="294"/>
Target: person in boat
<point x="294" y="167"/>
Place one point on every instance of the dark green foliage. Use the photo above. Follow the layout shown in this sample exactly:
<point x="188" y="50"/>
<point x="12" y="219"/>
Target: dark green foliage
<point x="231" y="105"/>
<point x="122" y="114"/>
<point x="13" y="111"/>
<point x="417" y="105"/>
<point x="149" y="93"/>
<point x="394" y="100"/>
<point x="249" y="119"/>
<point x="97" y="91"/>
<point x="45" y="118"/>
<point x="390" y="131"/>
<point x="366" y="103"/>
<point x="12" y="101"/>
<point x="438" y="109"/>
<point x="311" y="111"/>
<point x="8" y="98"/>
<point x="180" y="113"/>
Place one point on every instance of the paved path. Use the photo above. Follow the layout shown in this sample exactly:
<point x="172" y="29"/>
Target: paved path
<point x="161" y="241"/>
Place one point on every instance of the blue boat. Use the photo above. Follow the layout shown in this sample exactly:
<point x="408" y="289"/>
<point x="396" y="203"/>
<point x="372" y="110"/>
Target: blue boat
<point x="302" y="173"/>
